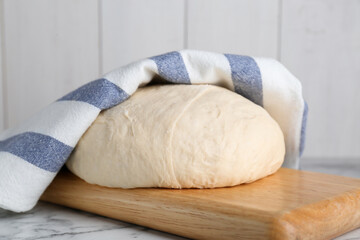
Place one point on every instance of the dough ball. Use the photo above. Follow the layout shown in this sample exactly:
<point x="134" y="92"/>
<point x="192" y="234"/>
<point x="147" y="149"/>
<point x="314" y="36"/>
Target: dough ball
<point x="179" y="136"/>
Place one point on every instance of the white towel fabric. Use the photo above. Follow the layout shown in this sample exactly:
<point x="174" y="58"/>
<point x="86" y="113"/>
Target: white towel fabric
<point x="32" y="153"/>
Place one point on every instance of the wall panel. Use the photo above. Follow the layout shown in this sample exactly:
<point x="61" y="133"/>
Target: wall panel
<point x="248" y="27"/>
<point x="51" y="47"/>
<point x="321" y="46"/>
<point x="2" y="110"/>
<point x="135" y="29"/>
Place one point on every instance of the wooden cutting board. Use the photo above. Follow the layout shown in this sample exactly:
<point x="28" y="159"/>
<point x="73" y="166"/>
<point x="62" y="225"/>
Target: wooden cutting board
<point x="290" y="204"/>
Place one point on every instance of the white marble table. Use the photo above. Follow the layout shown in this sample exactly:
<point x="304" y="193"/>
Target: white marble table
<point x="48" y="221"/>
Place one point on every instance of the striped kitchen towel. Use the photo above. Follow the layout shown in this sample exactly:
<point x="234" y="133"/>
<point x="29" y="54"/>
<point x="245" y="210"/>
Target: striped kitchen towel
<point x="32" y="153"/>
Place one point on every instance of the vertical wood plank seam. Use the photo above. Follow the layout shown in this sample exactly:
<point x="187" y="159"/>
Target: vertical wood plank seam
<point x="186" y="21"/>
<point x="3" y="65"/>
<point x="279" y="30"/>
<point x="100" y="37"/>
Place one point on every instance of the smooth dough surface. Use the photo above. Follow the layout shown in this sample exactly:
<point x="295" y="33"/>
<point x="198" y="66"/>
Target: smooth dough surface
<point x="179" y="136"/>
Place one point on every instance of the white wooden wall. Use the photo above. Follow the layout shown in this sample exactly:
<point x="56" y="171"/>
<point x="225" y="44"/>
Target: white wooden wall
<point x="320" y="44"/>
<point x="2" y="97"/>
<point x="133" y="30"/>
<point x="247" y="27"/>
<point x="50" y="47"/>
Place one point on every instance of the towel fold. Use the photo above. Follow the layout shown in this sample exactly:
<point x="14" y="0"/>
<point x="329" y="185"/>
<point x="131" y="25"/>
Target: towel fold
<point x="32" y="153"/>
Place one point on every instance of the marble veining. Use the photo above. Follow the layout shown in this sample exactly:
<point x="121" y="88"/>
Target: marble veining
<point x="49" y="221"/>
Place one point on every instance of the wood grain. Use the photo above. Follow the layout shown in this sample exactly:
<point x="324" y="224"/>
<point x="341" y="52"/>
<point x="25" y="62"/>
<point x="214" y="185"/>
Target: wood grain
<point x="290" y="204"/>
<point x="248" y="27"/>
<point x="51" y="48"/>
<point x="321" y="46"/>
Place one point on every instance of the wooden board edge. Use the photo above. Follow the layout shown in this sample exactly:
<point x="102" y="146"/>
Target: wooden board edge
<point x="190" y="222"/>
<point x="341" y="211"/>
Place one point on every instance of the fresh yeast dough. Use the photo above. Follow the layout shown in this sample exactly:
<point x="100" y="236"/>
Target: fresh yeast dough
<point x="179" y="136"/>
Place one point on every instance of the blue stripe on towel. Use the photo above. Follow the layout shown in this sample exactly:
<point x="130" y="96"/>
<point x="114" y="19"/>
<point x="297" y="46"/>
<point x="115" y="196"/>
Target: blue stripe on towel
<point x="101" y="93"/>
<point x="246" y="77"/>
<point x="172" y="68"/>
<point x="40" y="150"/>
<point x="303" y="129"/>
